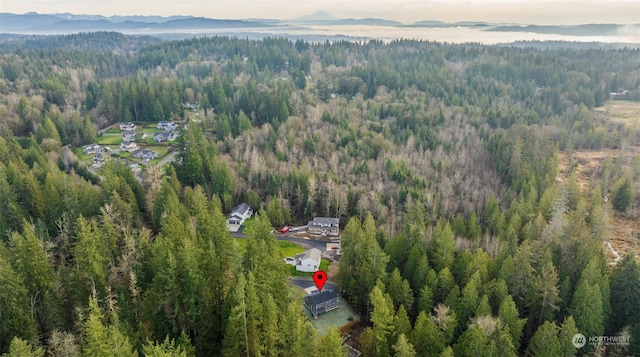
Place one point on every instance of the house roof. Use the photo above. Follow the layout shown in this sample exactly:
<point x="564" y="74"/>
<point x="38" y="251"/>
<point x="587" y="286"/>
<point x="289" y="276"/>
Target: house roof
<point x="324" y="296"/>
<point x="141" y="152"/>
<point x="312" y="253"/>
<point x="235" y="215"/>
<point x="241" y="208"/>
<point x="326" y="221"/>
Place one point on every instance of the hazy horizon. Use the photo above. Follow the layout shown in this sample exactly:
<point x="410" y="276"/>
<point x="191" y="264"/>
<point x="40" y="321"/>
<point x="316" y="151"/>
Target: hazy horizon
<point x="541" y="12"/>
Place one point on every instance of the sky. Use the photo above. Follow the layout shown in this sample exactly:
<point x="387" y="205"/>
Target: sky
<point x="407" y="11"/>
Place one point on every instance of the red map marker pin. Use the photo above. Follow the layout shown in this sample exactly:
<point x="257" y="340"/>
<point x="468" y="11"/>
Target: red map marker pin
<point x="319" y="278"/>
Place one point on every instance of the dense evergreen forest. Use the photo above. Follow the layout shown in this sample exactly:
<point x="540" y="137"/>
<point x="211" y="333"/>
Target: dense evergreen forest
<point x="461" y="236"/>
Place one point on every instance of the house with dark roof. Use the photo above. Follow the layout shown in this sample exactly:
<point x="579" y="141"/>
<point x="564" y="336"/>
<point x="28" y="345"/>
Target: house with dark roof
<point x="321" y="302"/>
<point x="127" y="126"/>
<point x="324" y="225"/>
<point x="238" y="215"/>
<point x="98" y="160"/>
<point x="165" y="136"/>
<point x="129" y="135"/>
<point x="144" y="154"/>
<point x="91" y="149"/>
<point x="167" y="125"/>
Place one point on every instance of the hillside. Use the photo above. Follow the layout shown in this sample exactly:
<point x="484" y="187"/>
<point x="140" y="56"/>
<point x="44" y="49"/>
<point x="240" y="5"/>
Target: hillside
<point x="480" y="192"/>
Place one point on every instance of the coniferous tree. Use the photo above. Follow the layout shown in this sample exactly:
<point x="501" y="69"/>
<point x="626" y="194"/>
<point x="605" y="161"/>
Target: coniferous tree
<point x="403" y="348"/>
<point x="545" y="341"/>
<point x="426" y="337"/>
<point x="382" y="318"/>
<point x="625" y="287"/>
<point x="22" y="348"/>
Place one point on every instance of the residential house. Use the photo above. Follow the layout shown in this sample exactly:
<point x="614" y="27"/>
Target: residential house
<point x="238" y="215"/>
<point x="144" y="154"/>
<point x="193" y="107"/>
<point x="321" y="303"/>
<point x="324" y="225"/>
<point x="308" y="261"/>
<point x="129" y="136"/>
<point x="167" y="125"/>
<point x="127" y="126"/>
<point x="129" y="146"/>
<point x="98" y="160"/>
<point x="91" y="149"/>
<point x="165" y="136"/>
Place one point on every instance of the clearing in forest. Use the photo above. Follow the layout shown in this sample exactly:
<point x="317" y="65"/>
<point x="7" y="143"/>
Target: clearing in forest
<point x="587" y="167"/>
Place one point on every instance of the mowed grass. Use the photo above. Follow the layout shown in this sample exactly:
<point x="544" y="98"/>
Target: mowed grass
<point x="289" y="249"/>
<point x="110" y="139"/>
<point x="324" y="265"/>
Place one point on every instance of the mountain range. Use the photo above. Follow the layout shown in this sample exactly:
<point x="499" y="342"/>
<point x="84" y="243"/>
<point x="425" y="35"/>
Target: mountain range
<point x="35" y="23"/>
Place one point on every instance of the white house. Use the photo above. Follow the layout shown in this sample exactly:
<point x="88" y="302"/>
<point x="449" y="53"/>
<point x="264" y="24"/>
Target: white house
<point x="238" y="215"/>
<point x="128" y="146"/>
<point x="308" y="261"/>
<point x="167" y="125"/>
<point x="127" y="126"/>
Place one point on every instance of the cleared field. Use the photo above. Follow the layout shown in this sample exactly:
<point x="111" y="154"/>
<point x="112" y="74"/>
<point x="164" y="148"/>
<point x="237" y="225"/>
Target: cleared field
<point x="587" y="166"/>
<point x="621" y="111"/>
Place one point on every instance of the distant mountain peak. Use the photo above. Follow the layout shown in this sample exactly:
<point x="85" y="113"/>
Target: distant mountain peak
<point x="317" y="16"/>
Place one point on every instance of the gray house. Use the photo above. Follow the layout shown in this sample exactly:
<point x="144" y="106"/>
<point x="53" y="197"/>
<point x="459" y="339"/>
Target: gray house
<point x="324" y="225"/>
<point x="164" y="136"/>
<point x="129" y="136"/>
<point x="321" y="303"/>
<point x="144" y="154"/>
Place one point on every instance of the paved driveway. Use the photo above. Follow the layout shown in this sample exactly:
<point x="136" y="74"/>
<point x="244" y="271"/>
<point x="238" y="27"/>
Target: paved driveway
<point x="306" y="282"/>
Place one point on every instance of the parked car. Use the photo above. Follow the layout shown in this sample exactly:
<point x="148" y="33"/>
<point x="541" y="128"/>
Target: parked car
<point x="284" y="229"/>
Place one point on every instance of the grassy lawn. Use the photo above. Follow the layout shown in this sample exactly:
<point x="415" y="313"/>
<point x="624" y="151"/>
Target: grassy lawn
<point x="113" y="131"/>
<point x="160" y="149"/>
<point x="81" y="155"/>
<point x="151" y="129"/>
<point x="297" y="294"/>
<point x="324" y="265"/>
<point x="110" y="139"/>
<point x="289" y="249"/>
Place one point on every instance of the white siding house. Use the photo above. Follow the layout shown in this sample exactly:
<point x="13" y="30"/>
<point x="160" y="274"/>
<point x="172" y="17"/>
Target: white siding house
<point x="238" y="215"/>
<point x="308" y="261"/>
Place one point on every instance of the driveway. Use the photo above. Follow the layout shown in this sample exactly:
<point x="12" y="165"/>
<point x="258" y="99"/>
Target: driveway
<point x="169" y="158"/>
<point x="304" y="243"/>
<point x="306" y="282"/>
